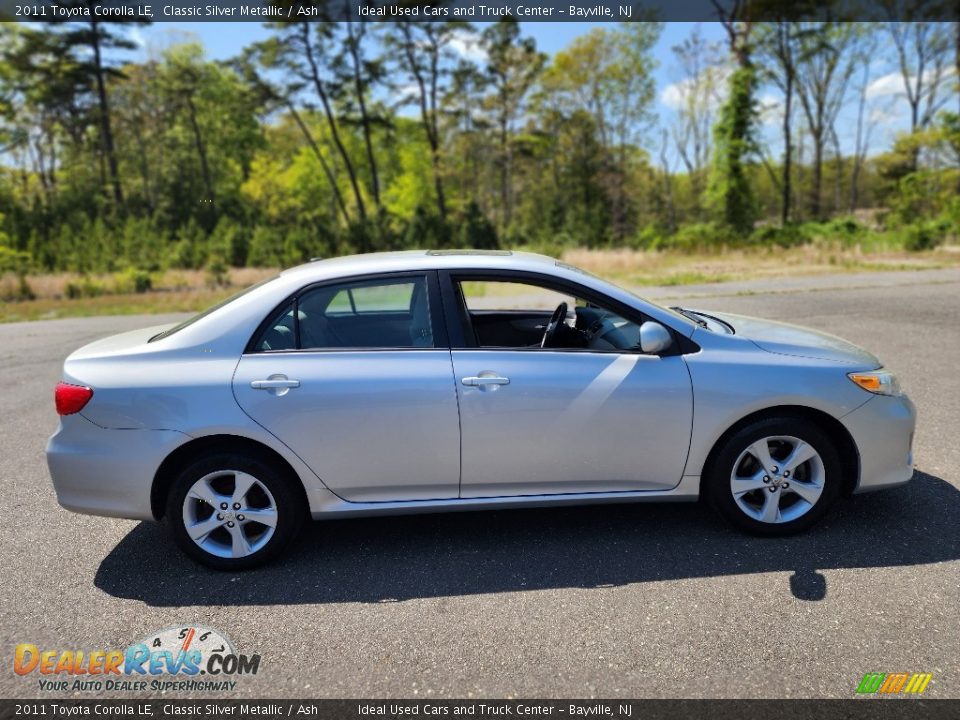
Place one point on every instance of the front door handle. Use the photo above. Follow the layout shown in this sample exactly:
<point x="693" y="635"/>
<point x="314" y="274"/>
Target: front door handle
<point x="275" y="384"/>
<point x="484" y="380"/>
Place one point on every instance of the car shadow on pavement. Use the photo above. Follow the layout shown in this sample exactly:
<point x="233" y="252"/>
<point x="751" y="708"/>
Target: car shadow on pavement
<point x="398" y="558"/>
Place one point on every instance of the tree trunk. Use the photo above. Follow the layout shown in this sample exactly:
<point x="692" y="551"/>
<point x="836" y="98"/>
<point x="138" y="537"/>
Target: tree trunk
<point x="323" y="161"/>
<point x="360" y="90"/>
<point x="331" y="121"/>
<point x="817" y="176"/>
<point x="428" y="115"/>
<point x="106" y="134"/>
<point x="785" y="188"/>
<point x="201" y="149"/>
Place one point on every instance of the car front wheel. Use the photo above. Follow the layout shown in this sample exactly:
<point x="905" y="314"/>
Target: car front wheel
<point x="775" y="477"/>
<point x="232" y="512"/>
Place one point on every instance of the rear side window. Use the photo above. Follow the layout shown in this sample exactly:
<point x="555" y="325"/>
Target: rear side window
<point x="396" y="297"/>
<point x="382" y="313"/>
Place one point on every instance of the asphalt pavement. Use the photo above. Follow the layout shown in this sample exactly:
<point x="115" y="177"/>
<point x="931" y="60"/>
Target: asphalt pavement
<point x="630" y="601"/>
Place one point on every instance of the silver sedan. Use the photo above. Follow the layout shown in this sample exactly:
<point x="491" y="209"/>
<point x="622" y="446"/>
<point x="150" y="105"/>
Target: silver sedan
<point x="464" y="380"/>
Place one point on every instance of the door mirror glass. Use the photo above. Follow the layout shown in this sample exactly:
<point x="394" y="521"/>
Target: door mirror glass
<point x="654" y="338"/>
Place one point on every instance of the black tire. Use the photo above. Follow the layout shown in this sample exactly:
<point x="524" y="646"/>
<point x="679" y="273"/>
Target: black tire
<point x="717" y="479"/>
<point x="289" y="506"/>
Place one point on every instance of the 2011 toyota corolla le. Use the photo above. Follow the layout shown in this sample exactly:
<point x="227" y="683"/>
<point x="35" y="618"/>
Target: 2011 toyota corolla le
<point x="456" y="380"/>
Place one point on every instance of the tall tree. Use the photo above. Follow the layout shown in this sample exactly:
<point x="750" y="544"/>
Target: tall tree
<point x="513" y="65"/>
<point x="357" y="75"/>
<point x="274" y="95"/>
<point x="923" y="59"/>
<point x="609" y="73"/>
<point x="697" y="96"/>
<point x="729" y="193"/>
<point x="98" y="38"/>
<point x="422" y="50"/>
<point x="778" y="43"/>
<point x="824" y="67"/>
<point x="303" y="50"/>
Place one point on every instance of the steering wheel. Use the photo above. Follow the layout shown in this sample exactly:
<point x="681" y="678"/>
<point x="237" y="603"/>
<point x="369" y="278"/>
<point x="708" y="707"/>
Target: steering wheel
<point x="556" y="320"/>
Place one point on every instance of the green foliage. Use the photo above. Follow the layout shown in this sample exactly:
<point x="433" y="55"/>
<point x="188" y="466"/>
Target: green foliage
<point x="133" y="281"/>
<point x="786" y="236"/>
<point x="926" y="235"/>
<point x="262" y="162"/>
<point x="475" y="231"/>
<point x="729" y="194"/>
<point x="701" y="236"/>
<point x="14" y="261"/>
<point x="85" y="287"/>
<point x="265" y="247"/>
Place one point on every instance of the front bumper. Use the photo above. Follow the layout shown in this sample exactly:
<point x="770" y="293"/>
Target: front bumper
<point x="882" y="429"/>
<point x="101" y="471"/>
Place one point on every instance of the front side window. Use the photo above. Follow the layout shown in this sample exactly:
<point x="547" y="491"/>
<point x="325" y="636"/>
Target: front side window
<point x="508" y="314"/>
<point x="382" y="313"/>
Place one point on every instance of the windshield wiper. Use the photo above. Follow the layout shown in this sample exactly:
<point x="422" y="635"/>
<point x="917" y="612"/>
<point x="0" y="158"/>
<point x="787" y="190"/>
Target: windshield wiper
<point x="692" y="316"/>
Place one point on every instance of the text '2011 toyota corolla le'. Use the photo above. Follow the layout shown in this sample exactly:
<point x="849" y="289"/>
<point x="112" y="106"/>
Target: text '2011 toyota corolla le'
<point x="442" y="380"/>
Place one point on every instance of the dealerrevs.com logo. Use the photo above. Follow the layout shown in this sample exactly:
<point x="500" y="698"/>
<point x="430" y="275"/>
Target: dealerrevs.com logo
<point x="181" y="658"/>
<point x="894" y="684"/>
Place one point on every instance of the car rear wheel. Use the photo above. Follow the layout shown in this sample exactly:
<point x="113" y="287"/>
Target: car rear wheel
<point x="232" y="512"/>
<point x="775" y="477"/>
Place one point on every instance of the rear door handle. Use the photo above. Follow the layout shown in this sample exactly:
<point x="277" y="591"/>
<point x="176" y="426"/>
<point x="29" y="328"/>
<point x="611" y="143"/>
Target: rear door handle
<point x="482" y="380"/>
<point x="278" y="384"/>
<point x="274" y="384"/>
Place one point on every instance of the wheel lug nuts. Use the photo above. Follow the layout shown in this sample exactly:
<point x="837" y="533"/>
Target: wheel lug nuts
<point x="219" y="516"/>
<point x="240" y="518"/>
<point x="786" y="485"/>
<point x="223" y="506"/>
<point x="236" y="506"/>
<point x="786" y="473"/>
<point x="772" y="489"/>
<point x="766" y="478"/>
<point x="774" y="469"/>
<point x="230" y="524"/>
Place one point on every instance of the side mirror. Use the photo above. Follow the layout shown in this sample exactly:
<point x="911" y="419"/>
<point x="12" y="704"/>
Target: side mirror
<point x="654" y="338"/>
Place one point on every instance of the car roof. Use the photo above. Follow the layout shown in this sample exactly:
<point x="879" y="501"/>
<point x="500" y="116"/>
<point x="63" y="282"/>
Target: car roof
<point x="421" y="260"/>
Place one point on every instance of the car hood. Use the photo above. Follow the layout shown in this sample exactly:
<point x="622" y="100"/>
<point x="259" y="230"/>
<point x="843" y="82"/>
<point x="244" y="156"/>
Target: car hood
<point x="787" y="339"/>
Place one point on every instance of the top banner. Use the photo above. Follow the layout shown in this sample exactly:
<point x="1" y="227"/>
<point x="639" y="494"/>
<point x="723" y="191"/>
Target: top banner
<point x="477" y="10"/>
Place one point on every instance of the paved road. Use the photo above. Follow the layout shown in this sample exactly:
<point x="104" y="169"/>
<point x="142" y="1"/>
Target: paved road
<point x="655" y="600"/>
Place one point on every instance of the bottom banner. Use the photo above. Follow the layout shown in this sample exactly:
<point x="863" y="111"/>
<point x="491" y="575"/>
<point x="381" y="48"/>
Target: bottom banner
<point x="865" y="709"/>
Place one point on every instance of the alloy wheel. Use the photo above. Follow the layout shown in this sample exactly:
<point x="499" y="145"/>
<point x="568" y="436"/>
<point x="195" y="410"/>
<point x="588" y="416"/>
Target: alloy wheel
<point x="777" y="479"/>
<point x="230" y="514"/>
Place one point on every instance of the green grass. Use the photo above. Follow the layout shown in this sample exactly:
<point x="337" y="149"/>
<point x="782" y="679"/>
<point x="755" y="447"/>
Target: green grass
<point x="190" y="291"/>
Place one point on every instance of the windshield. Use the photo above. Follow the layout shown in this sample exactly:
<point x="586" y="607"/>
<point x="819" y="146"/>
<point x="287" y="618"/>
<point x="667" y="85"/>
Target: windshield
<point x="672" y="311"/>
<point x="209" y="310"/>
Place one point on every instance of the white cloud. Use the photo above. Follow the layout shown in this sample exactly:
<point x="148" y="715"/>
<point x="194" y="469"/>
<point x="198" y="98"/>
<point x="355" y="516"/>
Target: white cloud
<point x="678" y="95"/>
<point x="889" y="84"/>
<point x="468" y="46"/>
<point x="770" y="109"/>
<point x="892" y="83"/>
<point x="884" y="116"/>
<point x="137" y="38"/>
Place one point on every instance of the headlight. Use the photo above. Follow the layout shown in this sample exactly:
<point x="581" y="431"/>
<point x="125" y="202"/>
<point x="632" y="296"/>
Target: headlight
<point x="879" y="382"/>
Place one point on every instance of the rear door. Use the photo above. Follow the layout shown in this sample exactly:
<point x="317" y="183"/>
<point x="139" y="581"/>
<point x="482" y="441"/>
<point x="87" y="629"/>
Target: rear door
<point x="355" y="377"/>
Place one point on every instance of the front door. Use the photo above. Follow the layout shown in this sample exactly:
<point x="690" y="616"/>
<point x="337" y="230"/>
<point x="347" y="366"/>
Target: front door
<point x="588" y="413"/>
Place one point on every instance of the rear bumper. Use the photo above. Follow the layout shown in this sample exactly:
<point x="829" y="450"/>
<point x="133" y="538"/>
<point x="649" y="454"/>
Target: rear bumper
<point x="100" y="471"/>
<point x="883" y="430"/>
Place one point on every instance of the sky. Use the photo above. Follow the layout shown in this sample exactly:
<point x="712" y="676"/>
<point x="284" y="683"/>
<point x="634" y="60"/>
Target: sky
<point x="887" y="108"/>
<point x="224" y="40"/>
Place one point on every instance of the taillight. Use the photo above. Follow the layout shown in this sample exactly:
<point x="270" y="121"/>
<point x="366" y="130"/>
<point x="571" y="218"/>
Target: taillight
<point x="71" y="398"/>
